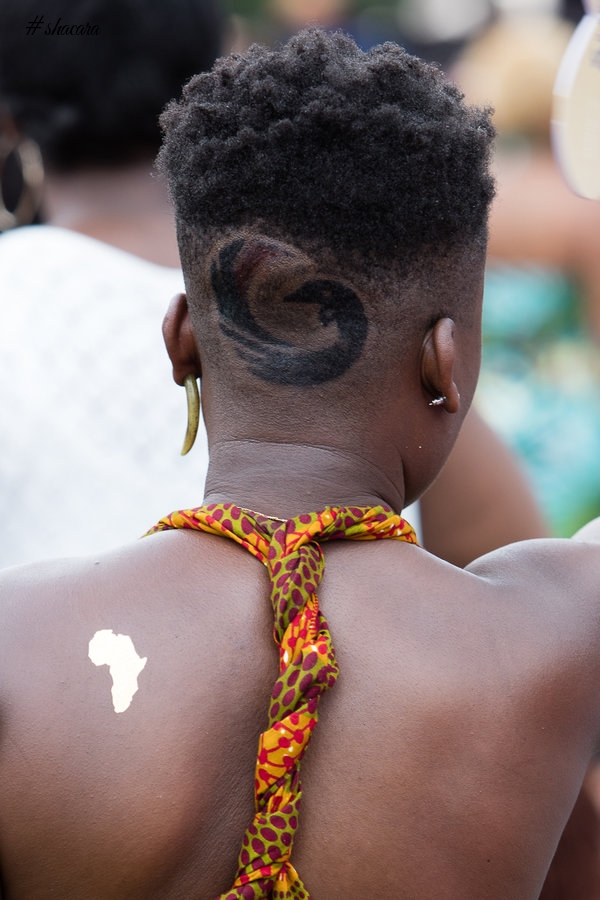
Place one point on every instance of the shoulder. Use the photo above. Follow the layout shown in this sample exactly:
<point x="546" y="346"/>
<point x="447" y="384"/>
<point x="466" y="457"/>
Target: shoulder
<point x="26" y="254"/>
<point x="40" y="244"/>
<point x="179" y="600"/>
<point x="115" y="671"/>
<point x="56" y="284"/>
<point x="169" y="575"/>
<point x="550" y="566"/>
<point x="550" y="590"/>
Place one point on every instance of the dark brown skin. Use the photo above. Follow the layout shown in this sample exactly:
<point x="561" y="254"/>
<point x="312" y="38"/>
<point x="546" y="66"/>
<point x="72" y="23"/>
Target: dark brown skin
<point x="575" y="870"/>
<point x="123" y="206"/>
<point x="442" y="735"/>
<point x="480" y="502"/>
<point x="448" y="756"/>
<point x="481" y="499"/>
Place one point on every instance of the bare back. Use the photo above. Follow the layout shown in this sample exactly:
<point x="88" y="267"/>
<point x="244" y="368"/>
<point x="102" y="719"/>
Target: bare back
<point x="446" y="760"/>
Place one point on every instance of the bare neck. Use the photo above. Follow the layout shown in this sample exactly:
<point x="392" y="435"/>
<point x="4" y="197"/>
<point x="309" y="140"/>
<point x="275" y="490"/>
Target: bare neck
<point x="285" y="479"/>
<point x="126" y="207"/>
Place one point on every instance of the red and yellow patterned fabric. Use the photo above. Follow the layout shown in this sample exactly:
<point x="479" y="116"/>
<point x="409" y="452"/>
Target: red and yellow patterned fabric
<point x="307" y="668"/>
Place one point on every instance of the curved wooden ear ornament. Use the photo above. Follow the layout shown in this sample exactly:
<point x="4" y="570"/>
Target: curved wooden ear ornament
<point x="575" y="126"/>
<point x="192" y="395"/>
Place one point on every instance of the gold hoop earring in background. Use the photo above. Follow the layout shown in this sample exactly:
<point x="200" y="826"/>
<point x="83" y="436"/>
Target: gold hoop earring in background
<point x="192" y="395"/>
<point x="27" y="156"/>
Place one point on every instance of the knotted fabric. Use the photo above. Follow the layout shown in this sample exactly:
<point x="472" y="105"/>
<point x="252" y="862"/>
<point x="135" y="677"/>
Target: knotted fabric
<point x="307" y="668"/>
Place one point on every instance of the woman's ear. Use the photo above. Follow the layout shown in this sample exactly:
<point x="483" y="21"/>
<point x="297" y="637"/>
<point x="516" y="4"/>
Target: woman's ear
<point x="180" y="340"/>
<point x="438" y="355"/>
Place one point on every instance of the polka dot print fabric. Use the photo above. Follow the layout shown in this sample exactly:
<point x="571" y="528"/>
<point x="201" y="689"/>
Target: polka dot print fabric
<point x="307" y="668"/>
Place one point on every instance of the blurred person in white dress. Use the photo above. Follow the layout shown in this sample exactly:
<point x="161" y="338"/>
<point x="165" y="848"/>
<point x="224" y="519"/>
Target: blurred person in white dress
<point x="90" y="450"/>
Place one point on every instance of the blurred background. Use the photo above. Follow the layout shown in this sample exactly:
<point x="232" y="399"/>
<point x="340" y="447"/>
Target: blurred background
<point x="434" y="29"/>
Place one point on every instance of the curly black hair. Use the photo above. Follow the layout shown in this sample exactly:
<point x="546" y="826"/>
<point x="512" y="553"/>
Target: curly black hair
<point x="370" y="153"/>
<point x="95" y="96"/>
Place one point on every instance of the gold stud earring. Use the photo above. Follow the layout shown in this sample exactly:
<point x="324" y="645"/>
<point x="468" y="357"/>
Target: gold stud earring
<point x="192" y="395"/>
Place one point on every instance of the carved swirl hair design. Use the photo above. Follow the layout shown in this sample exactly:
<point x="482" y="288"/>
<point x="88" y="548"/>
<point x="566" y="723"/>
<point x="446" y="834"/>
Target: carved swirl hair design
<point x="272" y="358"/>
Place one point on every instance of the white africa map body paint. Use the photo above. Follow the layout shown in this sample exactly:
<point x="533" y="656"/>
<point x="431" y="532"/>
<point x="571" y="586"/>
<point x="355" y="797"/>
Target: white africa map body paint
<point x="118" y="653"/>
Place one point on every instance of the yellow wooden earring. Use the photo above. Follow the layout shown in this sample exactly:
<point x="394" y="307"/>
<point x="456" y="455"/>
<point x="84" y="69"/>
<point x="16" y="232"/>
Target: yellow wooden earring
<point x="192" y="395"/>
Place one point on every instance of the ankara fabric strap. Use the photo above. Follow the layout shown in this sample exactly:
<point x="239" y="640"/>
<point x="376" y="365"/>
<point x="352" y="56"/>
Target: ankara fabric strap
<point x="307" y="667"/>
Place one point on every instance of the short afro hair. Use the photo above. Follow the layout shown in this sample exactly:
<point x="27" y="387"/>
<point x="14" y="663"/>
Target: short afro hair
<point x="371" y="154"/>
<point x="95" y="97"/>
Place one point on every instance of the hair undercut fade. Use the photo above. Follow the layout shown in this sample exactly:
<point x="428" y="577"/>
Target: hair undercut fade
<point x="372" y="155"/>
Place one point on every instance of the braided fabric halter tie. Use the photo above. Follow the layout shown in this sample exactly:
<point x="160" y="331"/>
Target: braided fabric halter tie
<point x="307" y="668"/>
